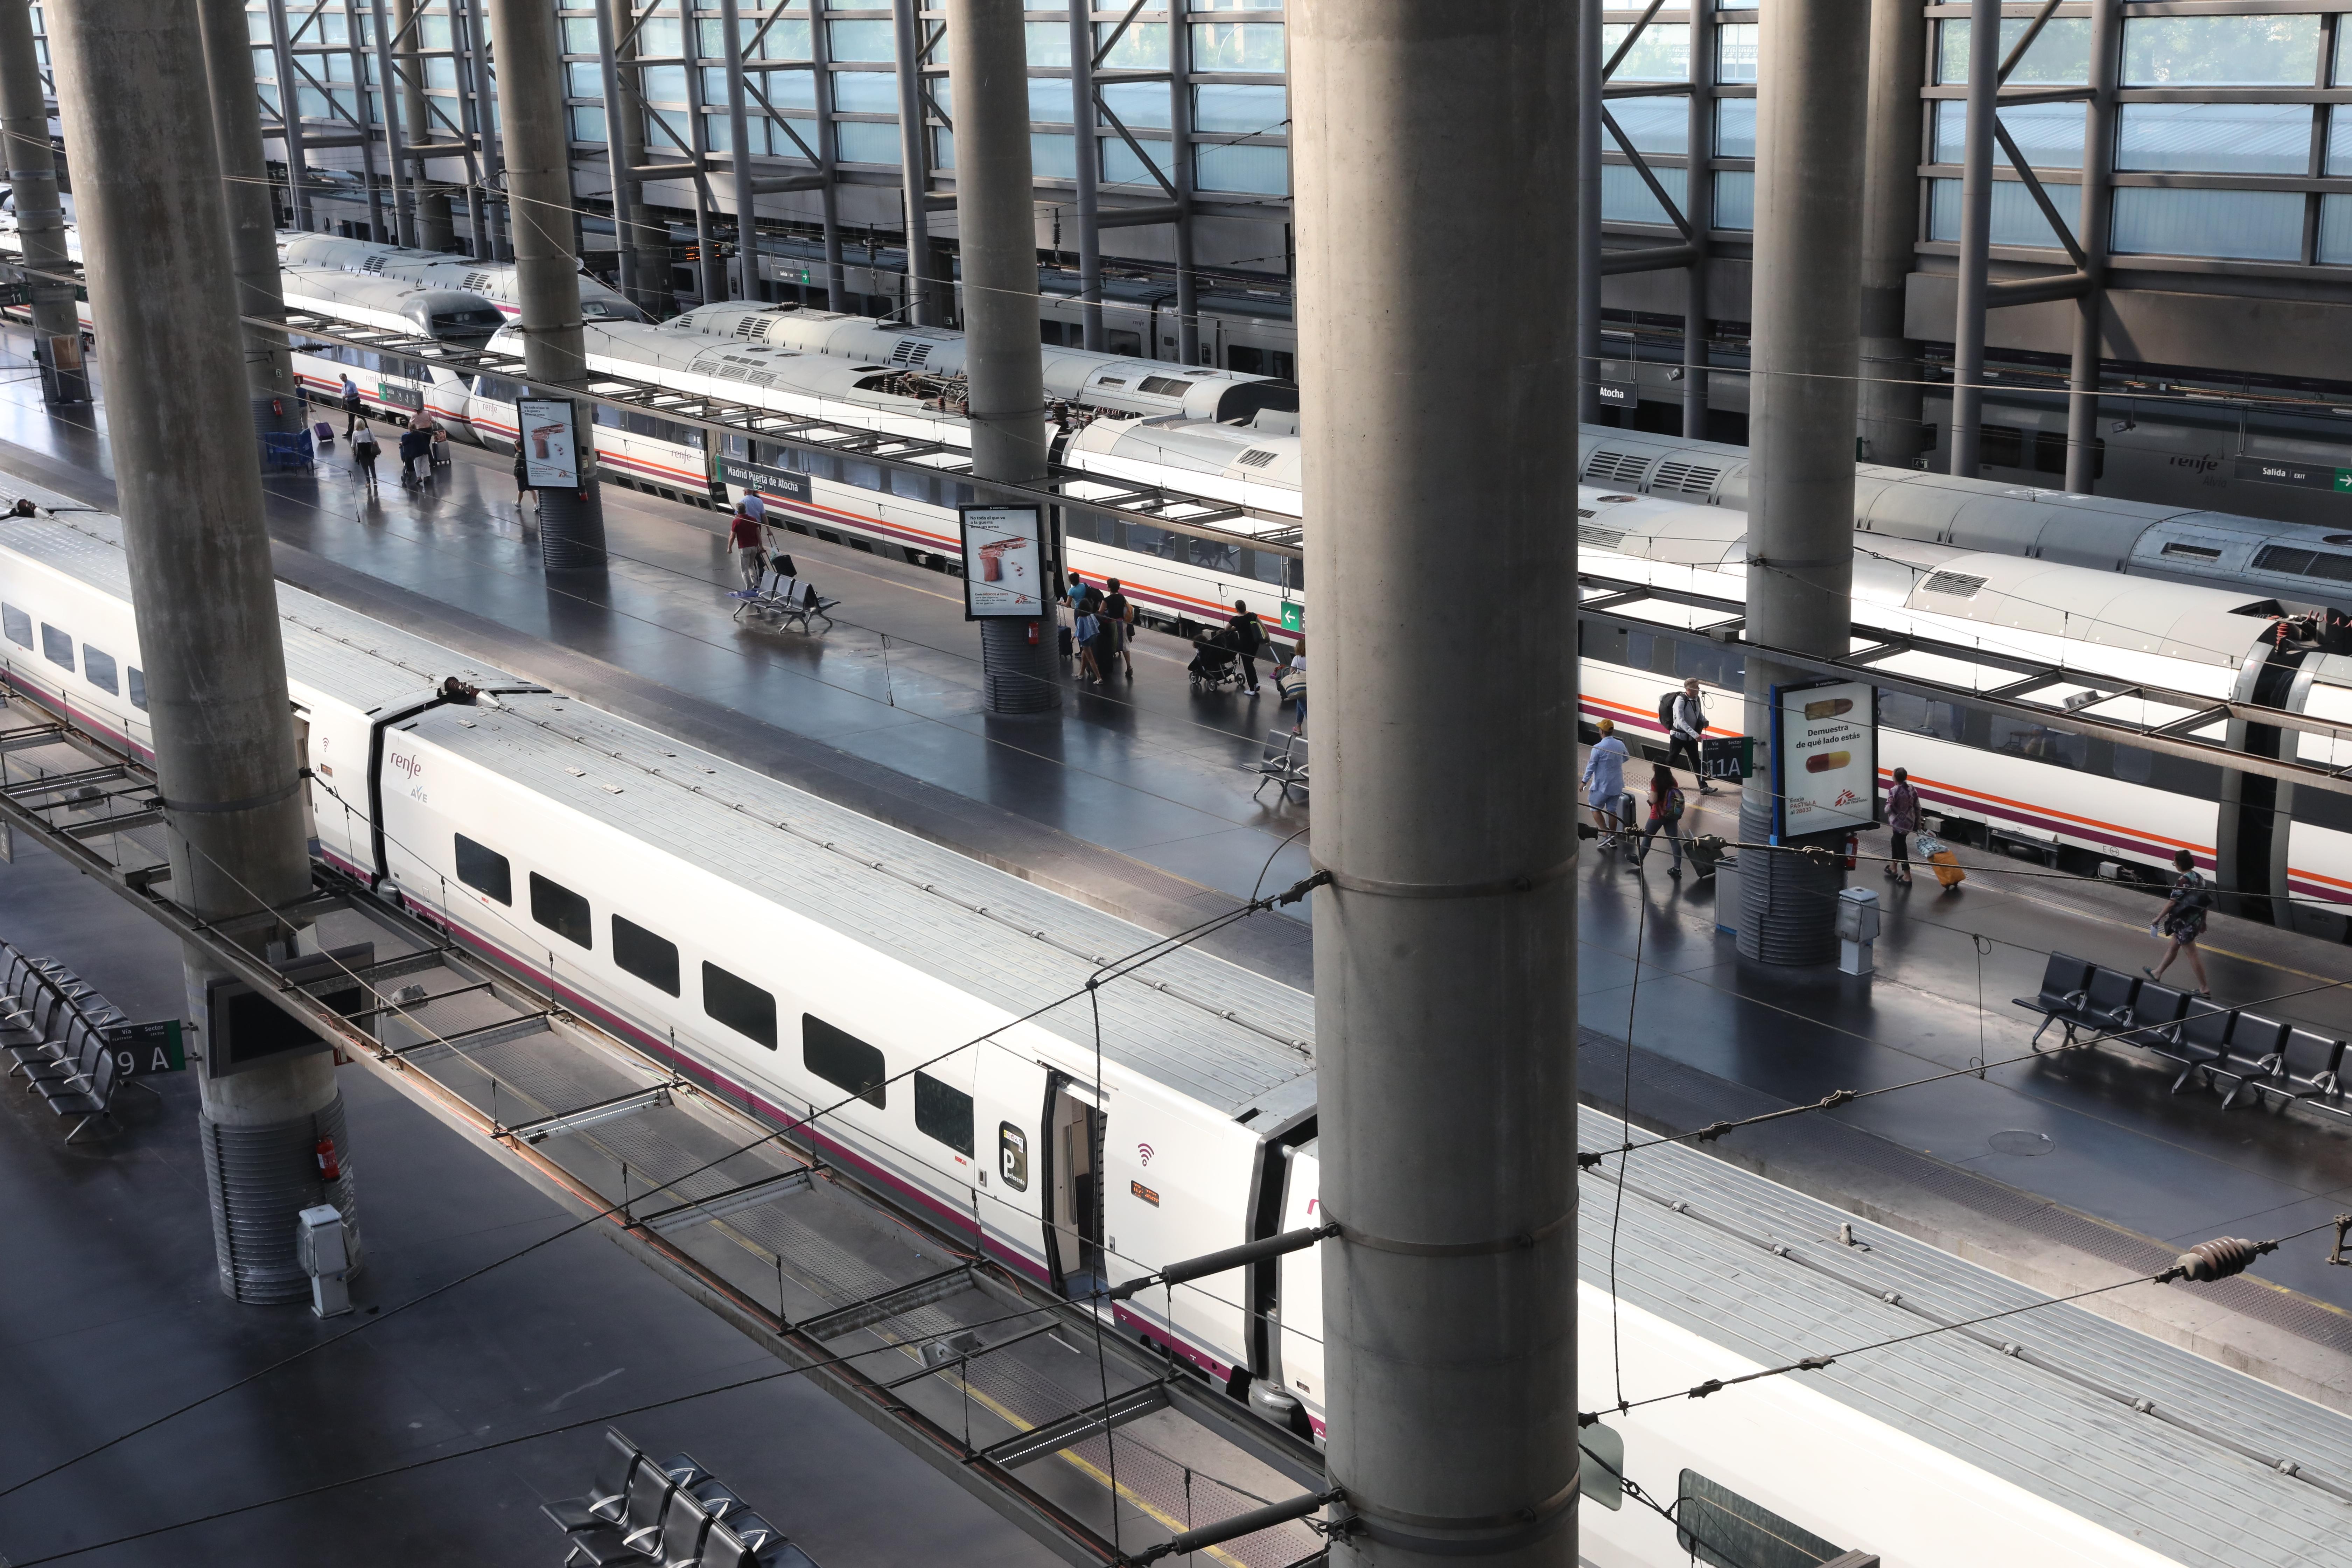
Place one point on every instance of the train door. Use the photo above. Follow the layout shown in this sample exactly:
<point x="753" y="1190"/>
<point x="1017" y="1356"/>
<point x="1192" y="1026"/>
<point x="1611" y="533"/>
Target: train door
<point x="1074" y="1222"/>
<point x="303" y="761"/>
<point x="2250" y="853"/>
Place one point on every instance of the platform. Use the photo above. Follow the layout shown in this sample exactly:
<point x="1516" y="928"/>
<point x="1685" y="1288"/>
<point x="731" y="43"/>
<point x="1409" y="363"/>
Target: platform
<point x="1140" y="801"/>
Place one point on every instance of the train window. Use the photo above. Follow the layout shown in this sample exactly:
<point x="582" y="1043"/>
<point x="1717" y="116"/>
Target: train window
<point x="2322" y="808"/>
<point x="2304" y="562"/>
<point x="100" y="668"/>
<point x="865" y="475"/>
<point x="562" y="912"/>
<point x="2021" y="738"/>
<point x="944" y="1111"/>
<point x="1086" y="525"/>
<point x="1604" y="640"/>
<point x="1145" y="540"/>
<point x="2132" y="766"/>
<point x="482" y="869"/>
<point x="1012" y="1156"/>
<point x="843" y="1061"/>
<point x="138" y="687"/>
<point x="1901" y="711"/>
<point x="1717" y="1525"/>
<point x="1641" y="649"/>
<point x="1265" y="566"/>
<point x="1213" y="555"/>
<point x="2002" y="446"/>
<point x="18" y="625"/>
<point x="1711" y="662"/>
<point x="1296" y="576"/>
<point x="740" y="1005"/>
<point x="57" y="646"/>
<point x="609" y="416"/>
<point x="1163" y="386"/>
<point x="914" y="486"/>
<point x="652" y="959"/>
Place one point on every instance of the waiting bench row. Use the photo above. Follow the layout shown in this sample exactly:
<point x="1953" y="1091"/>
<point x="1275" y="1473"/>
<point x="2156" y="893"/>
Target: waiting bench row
<point x="2234" y="1051"/>
<point x="668" y="1512"/>
<point x="55" y="1029"/>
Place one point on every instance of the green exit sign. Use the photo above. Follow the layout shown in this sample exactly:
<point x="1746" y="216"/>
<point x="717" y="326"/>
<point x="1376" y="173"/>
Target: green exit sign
<point x="2344" y="478"/>
<point x="1294" y="617"/>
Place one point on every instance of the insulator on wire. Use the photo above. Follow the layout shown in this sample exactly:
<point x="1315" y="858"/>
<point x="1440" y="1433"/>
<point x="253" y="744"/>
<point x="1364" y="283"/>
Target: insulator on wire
<point x="2220" y="1257"/>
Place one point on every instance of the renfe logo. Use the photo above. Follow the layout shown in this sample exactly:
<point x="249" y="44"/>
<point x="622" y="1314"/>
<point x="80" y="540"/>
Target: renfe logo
<point x="408" y="767"/>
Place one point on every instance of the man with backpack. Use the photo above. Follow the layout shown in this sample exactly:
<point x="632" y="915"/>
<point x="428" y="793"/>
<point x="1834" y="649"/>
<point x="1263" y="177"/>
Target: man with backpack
<point x="1682" y="715"/>
<point x="1249" y="640"/>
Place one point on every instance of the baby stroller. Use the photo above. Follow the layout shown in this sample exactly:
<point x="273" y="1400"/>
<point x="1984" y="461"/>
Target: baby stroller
<point x="1216" y="663"/>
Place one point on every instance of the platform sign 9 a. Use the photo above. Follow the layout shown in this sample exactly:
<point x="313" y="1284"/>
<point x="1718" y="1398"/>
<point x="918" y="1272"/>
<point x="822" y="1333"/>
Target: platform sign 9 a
<point x="1003" y="561"/>
<point x="141" y="1049"/>
<point x="1824" y="757"/>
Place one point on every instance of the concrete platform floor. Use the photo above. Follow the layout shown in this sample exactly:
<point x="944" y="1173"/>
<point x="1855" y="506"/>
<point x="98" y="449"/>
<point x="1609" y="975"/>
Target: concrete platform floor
<point x="110" y="1315"/>
<point x="1139" y="799"/>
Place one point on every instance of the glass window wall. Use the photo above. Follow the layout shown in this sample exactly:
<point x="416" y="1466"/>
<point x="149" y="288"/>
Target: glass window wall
<point x="2220" y="51"/>
<point x="1654" y="124"/>
<point x="2060" y="56"/>
<point x="1626" y="198"/>
<point x="2017" y="219"/>
<point x="2049" y="134"/>
<point x="2253" y="226"/>
<point x="2216" y="138"/>
<point x="1661" y="54"/>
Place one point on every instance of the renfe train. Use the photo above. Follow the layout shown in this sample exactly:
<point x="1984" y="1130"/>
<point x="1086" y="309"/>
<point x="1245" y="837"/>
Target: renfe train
<point x="802" y="958"/>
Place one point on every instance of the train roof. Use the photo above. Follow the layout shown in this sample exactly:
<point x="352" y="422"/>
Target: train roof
<point x="1219" y="1034"/>
<point x="1206" y="1028"/>
<point x="330" y="650"/>
<point x="2058" y="1420"/>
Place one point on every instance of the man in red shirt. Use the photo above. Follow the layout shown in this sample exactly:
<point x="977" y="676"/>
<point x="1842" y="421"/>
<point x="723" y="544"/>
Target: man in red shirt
<point x="744" y="534"/>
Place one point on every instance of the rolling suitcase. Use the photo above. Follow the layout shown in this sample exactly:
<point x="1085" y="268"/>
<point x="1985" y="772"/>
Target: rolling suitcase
<point x="1940" y="858"/>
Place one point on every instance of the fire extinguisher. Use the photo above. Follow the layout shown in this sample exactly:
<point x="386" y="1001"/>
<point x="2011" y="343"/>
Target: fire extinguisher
<point x="331" y="1167"/>
<point x="1853" y="850"/>
<point x="1033" y="634"/>
<point x="277" y="408"/>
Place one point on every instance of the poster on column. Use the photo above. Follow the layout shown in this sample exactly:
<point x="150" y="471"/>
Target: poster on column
<point x="549" y="456"/>
<point x="1824" y="757"/>
<point x="1003" y="561"/>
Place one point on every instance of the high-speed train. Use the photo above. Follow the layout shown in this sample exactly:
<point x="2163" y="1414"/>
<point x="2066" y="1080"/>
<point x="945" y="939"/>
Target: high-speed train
<point x="1113" y="382"/>
<point x="2305" y="563"/>
<point x="1176" y="580"/>
<point x="493" y="280"/>
<point x="800" y="959"/>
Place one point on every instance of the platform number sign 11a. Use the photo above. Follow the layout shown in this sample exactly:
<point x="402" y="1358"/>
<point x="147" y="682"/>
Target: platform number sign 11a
<point x="142" y="1050"/>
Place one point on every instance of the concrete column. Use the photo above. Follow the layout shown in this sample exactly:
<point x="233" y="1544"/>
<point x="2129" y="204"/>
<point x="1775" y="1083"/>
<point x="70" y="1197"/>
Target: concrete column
<point x="547" y="270"/>
<point x="2090" y="233"/>
<point x="1088" y="200"/>
<point x="140" y="125"/>
<point x="740" y="192"/>
<point x="1698" y="206"/>
<point x="924" y="286"/>
<point x="1891" y="371"/>
<point x="32" y="166"/>
<point x="1965" y="440"/>
<point x="836" y="292"/>
<point x="1589" y="58"/>
<point x="997" y="233"/>
<point x="289" y="119"/>
<point x="1445" y="950"/>
<point x="1180" y="142"/>
<point x="434" y="231"/>
<point x="644" y="246"/>
<point x="271" y="390"/>
<point x="1807" y="281"/>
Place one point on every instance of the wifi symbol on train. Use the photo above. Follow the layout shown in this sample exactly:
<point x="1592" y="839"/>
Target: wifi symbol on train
<point x="1145" y="1152"/>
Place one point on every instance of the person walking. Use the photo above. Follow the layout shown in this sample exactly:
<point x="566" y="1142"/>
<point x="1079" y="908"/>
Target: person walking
<point x="354" y="405"/>
<point x="2182" y="921"/>
<point x="415" y="458"/>
<point x="1249" y="641"/>
<point x="1120" y="612"/>
<point x="365" y="451"/>
<point x="523" y="486"/>
<point x="1085" y="627"/>
<point x="750" y="543"/>
<point x="1902" y="822"/>
<point x="1686" y="727"/>
<point x="1665" y="816"/>
<point x="1604" y="781"/>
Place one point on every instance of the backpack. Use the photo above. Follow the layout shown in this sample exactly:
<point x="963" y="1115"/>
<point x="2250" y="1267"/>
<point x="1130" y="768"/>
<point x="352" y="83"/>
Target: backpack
<point x="2198" y="898"/>
<point x="1666" y="711"/>
<point x="1673" y="807"/>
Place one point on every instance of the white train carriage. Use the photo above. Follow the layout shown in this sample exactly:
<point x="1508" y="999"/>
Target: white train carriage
<point x="1114" y="384"/>
<point x="493" y="280"/>
<point x="796" y="957"/>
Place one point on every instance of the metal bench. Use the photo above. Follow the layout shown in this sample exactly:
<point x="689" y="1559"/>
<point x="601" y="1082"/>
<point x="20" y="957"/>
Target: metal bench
<point x="668" y="1512"/>
<point x="89" y="1096"/>
<point x="2252" y="1055"/>
<point x="1283" y="763"/>
<point x="2307" y="1073"/>
<point x="2065" y="986"/>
